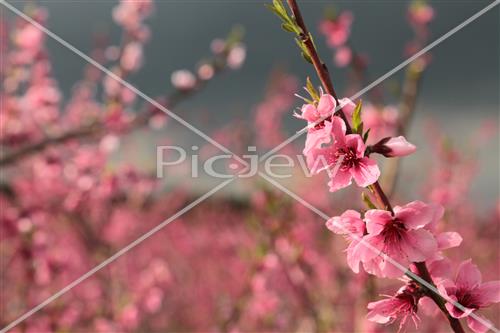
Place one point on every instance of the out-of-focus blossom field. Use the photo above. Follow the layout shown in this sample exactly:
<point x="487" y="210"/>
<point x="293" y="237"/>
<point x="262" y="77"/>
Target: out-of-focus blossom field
<point x="249" y="260"/>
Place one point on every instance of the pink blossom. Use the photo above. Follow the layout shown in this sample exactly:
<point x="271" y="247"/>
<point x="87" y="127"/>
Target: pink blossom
<point x="352" y="226"/>
<point x="183" y="80"/>
<point x="394" y="147"/>
<point x="403" y="305"/>
<point x="469" y="291"/>
<point x="30" y="38"/>
<point x="402" y="237"/>
<point x="236" y="56"/>
<point x="313" y="114"/>
<point x="420" y="13"/>
<point x="345" y="158"/>
<point x="343" y="56"/>
<point x="218" y="46"/>
<point x="130" y="14"/>
<point x="318" y="118"/>
<point x="206" y="72"/>
<point x="132" y="56"/>
<point x="337" y="31"/>
<point x="382" y="122"/>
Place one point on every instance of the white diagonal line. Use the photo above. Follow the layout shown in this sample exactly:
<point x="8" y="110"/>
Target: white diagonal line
<point x="120" y="80"/>
<point x="404" y="269"/>
<point x="389" y="73"/>
<point x="115" y="256"/>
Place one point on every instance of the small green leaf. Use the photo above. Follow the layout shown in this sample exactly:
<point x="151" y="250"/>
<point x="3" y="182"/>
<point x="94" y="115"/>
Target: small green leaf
<point x="287" y="27"/>
<point x="311" y="90"/>
<point x="306" y="57"/>
<point x="283" y="15"/>
<point x="367" y="201"/>
<point x="278" y="4"/>
<point x="357" y="125"/>
<point x="365" y="137"/>
<point x="303" y="48"/>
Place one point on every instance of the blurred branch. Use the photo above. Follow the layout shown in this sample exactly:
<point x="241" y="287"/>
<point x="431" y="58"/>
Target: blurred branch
<point x="406" y="111"/>
<point x="97" y="129"/>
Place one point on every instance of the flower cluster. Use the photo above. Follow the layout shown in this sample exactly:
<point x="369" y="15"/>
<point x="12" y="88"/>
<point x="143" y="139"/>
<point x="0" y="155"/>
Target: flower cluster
<point x="386" y="242"/>
<point x="420" y="15"/>
<point x="337" y="30"/>
<point x="345" y="156"/>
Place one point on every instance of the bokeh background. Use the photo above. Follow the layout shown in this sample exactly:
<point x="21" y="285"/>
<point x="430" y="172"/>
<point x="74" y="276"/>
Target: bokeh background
<point x="249" y="259"/>
<point x="460" y="88"/>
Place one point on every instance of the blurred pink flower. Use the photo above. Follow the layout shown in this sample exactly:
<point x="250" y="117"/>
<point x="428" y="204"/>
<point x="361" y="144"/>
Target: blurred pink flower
<point x="183" y="79"/>
<point x="337" y="31"/>
<point x="420" y="13"/>
<point x="132" y="56"/>
<point x="343" y="56"/>
<point x="236" y="56"/>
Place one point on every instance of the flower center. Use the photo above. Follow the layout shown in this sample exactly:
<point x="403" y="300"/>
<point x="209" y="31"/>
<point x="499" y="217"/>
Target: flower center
<point x="465" y="298"/>
<point x="393" y="232"/>
<point x="350" y="159"/>
<point x="321" y="124"/>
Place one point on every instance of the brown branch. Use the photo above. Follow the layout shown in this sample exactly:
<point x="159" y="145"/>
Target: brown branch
<point x="376" y="188"/>
<point x="319" y="65"/>
<point x="440" y="302"/>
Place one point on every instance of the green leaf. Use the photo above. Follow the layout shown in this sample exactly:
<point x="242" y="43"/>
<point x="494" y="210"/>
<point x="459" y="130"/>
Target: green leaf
<point x="287" y="27"/>
<point x="357" y="124"/>
<point x="278" y="4"/>
<point x="367" y="201"/>
<point x="282" y="14"/>
<point x="311" y="90"/>
<point x="365" y="137"/>
<point x="305" y="52"/>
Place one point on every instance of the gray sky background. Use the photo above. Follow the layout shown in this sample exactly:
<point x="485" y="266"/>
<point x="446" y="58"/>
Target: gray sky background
<point x="460" y="88"/>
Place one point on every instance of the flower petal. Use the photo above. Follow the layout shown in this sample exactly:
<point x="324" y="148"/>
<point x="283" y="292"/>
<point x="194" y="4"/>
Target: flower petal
<point x="478" y="326"/>
<point x="340" y="180"/>
<point x="448" y="240"/>
<point x="316" y="137"/>
<point x="366" y="172"/>
<point x="376" y="219"/>
<point x="488" y="293"/>
<point x="326" y="105"/>
<point x="369" y="247"/>
<point x="416" y="214"/>
<point x="355" y="142"/>
<point x="338" y="130"/>
<point x="348" y="223"/>
<point x="319" y="159"/>
<point x="468" y="276"/>
<point x="419" y="245"/>
<point x="309" y="113"/>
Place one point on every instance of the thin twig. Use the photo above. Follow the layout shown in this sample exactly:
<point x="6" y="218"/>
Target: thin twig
<point x="406" y="110"/>
<point x="97" y="129"/>
<point x="319" y="65"/>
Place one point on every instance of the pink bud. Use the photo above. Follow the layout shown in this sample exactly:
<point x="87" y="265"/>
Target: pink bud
<point x="398" y="147"/>
<point x="132" y="56"/>
<point x="183" y="79"/>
